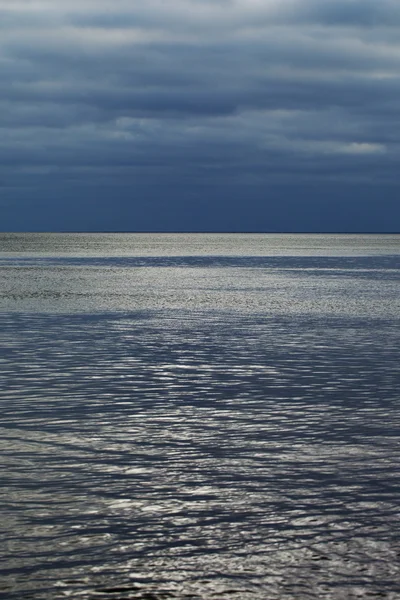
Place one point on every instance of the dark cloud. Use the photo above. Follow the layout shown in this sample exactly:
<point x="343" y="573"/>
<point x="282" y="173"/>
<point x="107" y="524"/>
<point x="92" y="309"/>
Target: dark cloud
<point x="358" y="13"/>
<point x="179" y="99"/>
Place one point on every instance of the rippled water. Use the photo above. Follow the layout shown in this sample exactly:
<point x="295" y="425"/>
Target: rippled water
<point x="199" y="416"/>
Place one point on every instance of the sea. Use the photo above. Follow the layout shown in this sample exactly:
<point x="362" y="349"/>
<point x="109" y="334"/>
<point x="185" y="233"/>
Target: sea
<point x="199" y="416"/>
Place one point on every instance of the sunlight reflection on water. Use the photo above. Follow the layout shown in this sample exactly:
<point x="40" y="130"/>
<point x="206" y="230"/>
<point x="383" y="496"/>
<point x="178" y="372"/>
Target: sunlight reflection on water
<point x="208" y="428"/>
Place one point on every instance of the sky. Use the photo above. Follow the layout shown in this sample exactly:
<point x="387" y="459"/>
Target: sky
<point x="200" y="115"/>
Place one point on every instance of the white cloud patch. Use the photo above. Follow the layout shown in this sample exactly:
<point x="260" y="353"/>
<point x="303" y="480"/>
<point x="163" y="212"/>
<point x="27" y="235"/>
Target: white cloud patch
<point x="363" y="148"/>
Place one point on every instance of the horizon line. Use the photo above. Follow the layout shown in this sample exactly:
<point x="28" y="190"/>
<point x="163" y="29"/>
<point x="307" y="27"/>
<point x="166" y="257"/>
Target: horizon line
<point x="174" y="232"/>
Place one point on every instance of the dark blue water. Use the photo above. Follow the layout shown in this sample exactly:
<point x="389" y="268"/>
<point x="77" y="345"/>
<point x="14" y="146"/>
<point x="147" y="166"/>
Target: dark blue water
<point x="200" y="417"/>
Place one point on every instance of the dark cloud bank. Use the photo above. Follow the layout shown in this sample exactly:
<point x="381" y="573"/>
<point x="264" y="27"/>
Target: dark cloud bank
<point x="246" y="115"/>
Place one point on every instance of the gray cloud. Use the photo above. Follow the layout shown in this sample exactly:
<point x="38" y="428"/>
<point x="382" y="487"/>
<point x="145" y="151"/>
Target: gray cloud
<point x="244" y="92"/>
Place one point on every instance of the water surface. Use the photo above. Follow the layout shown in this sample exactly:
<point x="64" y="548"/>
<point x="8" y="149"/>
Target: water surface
<point x="199" y="416"/>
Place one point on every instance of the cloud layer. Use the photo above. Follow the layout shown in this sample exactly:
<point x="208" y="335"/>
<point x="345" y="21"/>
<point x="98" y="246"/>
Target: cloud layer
<point x="128" y="106"/>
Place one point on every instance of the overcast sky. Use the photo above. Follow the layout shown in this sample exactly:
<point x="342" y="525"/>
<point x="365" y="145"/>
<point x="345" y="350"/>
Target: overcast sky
<point x="220" y="115"/>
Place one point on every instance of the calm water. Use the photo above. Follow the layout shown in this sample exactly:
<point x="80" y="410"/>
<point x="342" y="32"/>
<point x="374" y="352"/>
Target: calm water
<point x="199" y="416"/>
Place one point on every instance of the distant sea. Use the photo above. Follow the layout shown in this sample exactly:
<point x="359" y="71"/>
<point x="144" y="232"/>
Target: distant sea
<point x="199" y="416"/>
